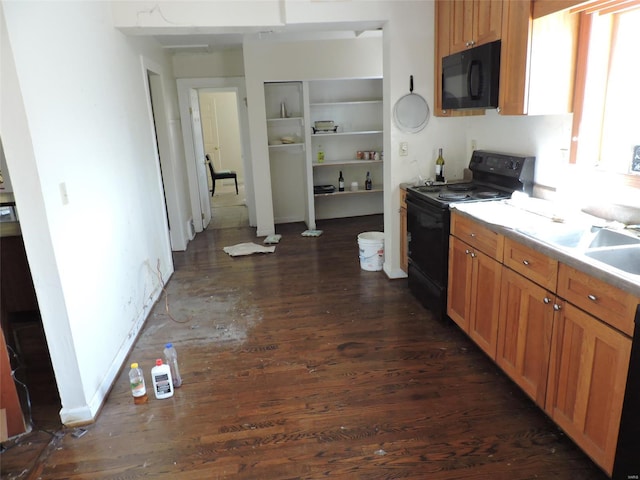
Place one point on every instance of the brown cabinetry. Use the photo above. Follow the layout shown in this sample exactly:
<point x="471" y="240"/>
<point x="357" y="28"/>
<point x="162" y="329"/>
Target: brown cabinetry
<point x="524" y="333"/>
<point x="404" y="259"/>
<point x="537" y="61"/>
<point x="587" y="379"/>
<point x="474" y="22"/>
<point x="474" y="281"/>
<point x="560" y="334"/>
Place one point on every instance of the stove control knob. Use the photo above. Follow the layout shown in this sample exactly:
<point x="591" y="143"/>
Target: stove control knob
<point x="514" y="164"/>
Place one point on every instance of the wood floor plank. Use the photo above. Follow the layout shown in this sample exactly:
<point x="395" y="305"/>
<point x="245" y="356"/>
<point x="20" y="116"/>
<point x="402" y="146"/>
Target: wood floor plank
<point x="300" y="365"/>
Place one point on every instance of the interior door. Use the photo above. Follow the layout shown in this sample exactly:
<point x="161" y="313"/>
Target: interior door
<point x="201" y="166"/>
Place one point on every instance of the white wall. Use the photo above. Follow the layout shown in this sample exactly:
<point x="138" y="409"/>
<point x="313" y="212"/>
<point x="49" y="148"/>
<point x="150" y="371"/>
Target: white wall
<point x="226" y="63"/>
<point x="74" y="113"/>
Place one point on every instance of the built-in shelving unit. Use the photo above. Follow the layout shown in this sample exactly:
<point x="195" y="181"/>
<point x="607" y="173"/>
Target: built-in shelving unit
<point x="355" y="107"/>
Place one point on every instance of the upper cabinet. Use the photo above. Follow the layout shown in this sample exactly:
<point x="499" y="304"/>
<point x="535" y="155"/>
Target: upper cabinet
<point x="538" y="59"/>
<point x="538" y="56"/>
<point x="474" y="22"/>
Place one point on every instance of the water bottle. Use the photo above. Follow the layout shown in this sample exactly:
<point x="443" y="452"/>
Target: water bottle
<point x="162" y="383"/>
<point x="138" y="388"/>
<point x="171" y="357"/>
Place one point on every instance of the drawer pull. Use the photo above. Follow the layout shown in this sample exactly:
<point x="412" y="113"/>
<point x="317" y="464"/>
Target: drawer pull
<point x="525" y="262"/>
<point x="557" y="307"/>
<point x="472" y="235"/>
<point x="467" y="251"/>
<point x="546" y="300"/>
<point x="473" y="255"/>
<point x="591" y="297"/>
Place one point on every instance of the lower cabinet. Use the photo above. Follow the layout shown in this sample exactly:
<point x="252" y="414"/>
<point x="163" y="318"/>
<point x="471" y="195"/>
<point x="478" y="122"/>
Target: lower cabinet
<point x="560" y="334"/>
<point x="587" y="381"/>
<point x="524" y="333"/>
<point x="474" y="293"/>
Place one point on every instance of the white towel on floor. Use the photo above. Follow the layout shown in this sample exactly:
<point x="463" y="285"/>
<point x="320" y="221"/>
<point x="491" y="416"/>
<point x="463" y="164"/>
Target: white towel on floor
<point x="247" y="249"/>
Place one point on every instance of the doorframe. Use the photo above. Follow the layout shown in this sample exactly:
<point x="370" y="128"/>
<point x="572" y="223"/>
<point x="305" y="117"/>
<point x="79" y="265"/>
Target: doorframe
<point x="222" y="84"/>
<point x="177" y="235"/>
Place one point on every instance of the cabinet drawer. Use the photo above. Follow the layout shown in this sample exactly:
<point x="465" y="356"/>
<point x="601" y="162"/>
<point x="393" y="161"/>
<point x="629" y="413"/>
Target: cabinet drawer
<point x="532" y="264"/>
<point x="478" y="236"/>
<point x="604" y="301"/>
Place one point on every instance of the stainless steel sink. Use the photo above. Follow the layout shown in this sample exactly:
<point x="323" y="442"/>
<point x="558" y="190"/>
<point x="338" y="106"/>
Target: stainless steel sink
<point x="625" y="258"/>
<point x="610" y="238"/>
<point x="579" y="238"/>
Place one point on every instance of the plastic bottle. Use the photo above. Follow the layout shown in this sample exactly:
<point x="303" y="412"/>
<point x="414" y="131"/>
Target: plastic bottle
<point x="162" y="382"/>
<point x="320" y="157"/>
<point x="171" y="357"/>
<point x="440" y="167"/>
<point x="138" y="388"/>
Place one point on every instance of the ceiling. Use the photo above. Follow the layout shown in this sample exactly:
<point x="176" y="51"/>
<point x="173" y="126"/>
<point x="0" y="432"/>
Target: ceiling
<point x="233" y="38"/>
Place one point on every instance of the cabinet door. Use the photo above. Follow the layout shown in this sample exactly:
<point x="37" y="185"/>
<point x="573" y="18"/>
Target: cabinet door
<point x="485" y="302"/>
<point x="587" y="378"/>
<point x="487" y="21"/>
<point x="459" y="284"/>
<point x="461" y="34"/>
<point x="514" y="57"/>
<point x="443" y="22"/>
<point x="404" y="260"/>
<point x="524" y="333"/>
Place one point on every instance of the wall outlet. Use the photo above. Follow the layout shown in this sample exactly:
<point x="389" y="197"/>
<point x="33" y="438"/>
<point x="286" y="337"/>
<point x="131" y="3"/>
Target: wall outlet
<point x="404" y="149"/>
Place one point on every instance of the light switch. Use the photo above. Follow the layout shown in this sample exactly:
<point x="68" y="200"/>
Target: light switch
<point x="404" y="149"/>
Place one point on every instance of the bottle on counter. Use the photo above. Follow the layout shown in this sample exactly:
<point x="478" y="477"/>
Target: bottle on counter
<point x="341" y="182"/>
<point x="368" y="184"/>
<point x="320" y="156"/>
<point x="171" y="358"/>
<point x="162" y="382"/>
<point x="440" y="167"/>
<point x="138" y="388"/>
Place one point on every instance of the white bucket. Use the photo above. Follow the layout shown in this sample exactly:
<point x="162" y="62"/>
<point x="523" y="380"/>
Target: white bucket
<point x="371" y="247"/>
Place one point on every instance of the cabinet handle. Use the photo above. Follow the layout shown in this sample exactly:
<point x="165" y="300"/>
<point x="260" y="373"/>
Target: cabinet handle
<point x="473" y="255"/>
<point x="591" y="297"/>
<point x="557" y="307"/>
<point x="467" y="251"/>
<point x="472" y="235"/>
<point x="525" y="262"/>
<point x="546" y="300"/>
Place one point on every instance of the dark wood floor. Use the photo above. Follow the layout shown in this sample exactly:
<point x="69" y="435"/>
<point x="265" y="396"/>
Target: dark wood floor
<point x="298" y="364"/>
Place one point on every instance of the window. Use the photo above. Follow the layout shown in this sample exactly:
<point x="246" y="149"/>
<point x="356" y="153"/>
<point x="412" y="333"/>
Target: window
<point x="606" y="124"/>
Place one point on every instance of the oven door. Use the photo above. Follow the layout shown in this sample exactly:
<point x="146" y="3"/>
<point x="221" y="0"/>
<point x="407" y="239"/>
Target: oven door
<point x="428" y="245"/>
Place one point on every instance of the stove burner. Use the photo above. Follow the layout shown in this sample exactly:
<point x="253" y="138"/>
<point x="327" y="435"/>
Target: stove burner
<point x="452" y="196"/>
<point x="429" y="189"/>
<point x="461" y="187"/>
<point x="488" y="194"/>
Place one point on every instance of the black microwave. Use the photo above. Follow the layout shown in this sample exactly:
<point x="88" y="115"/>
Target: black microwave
<point x="470" y="79"/>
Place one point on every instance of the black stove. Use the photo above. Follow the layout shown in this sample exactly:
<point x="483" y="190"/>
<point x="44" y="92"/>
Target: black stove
<point x="495" y="177"/>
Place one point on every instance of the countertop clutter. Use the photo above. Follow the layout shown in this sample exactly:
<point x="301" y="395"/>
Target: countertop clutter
<point x="605" y="250"/>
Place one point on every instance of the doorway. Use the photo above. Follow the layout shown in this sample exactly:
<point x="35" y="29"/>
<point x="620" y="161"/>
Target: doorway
<point x="222" y="141"/>
<point x="188" y="88"/>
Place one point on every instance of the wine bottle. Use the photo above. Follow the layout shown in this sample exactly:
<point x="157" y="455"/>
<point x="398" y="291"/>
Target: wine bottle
<point x="341" y="182"/>
<point x="440" y="167"/>
<point x="368" y="185"/>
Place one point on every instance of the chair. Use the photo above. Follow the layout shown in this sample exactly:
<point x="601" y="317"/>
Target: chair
<point x="220" y="175"/>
